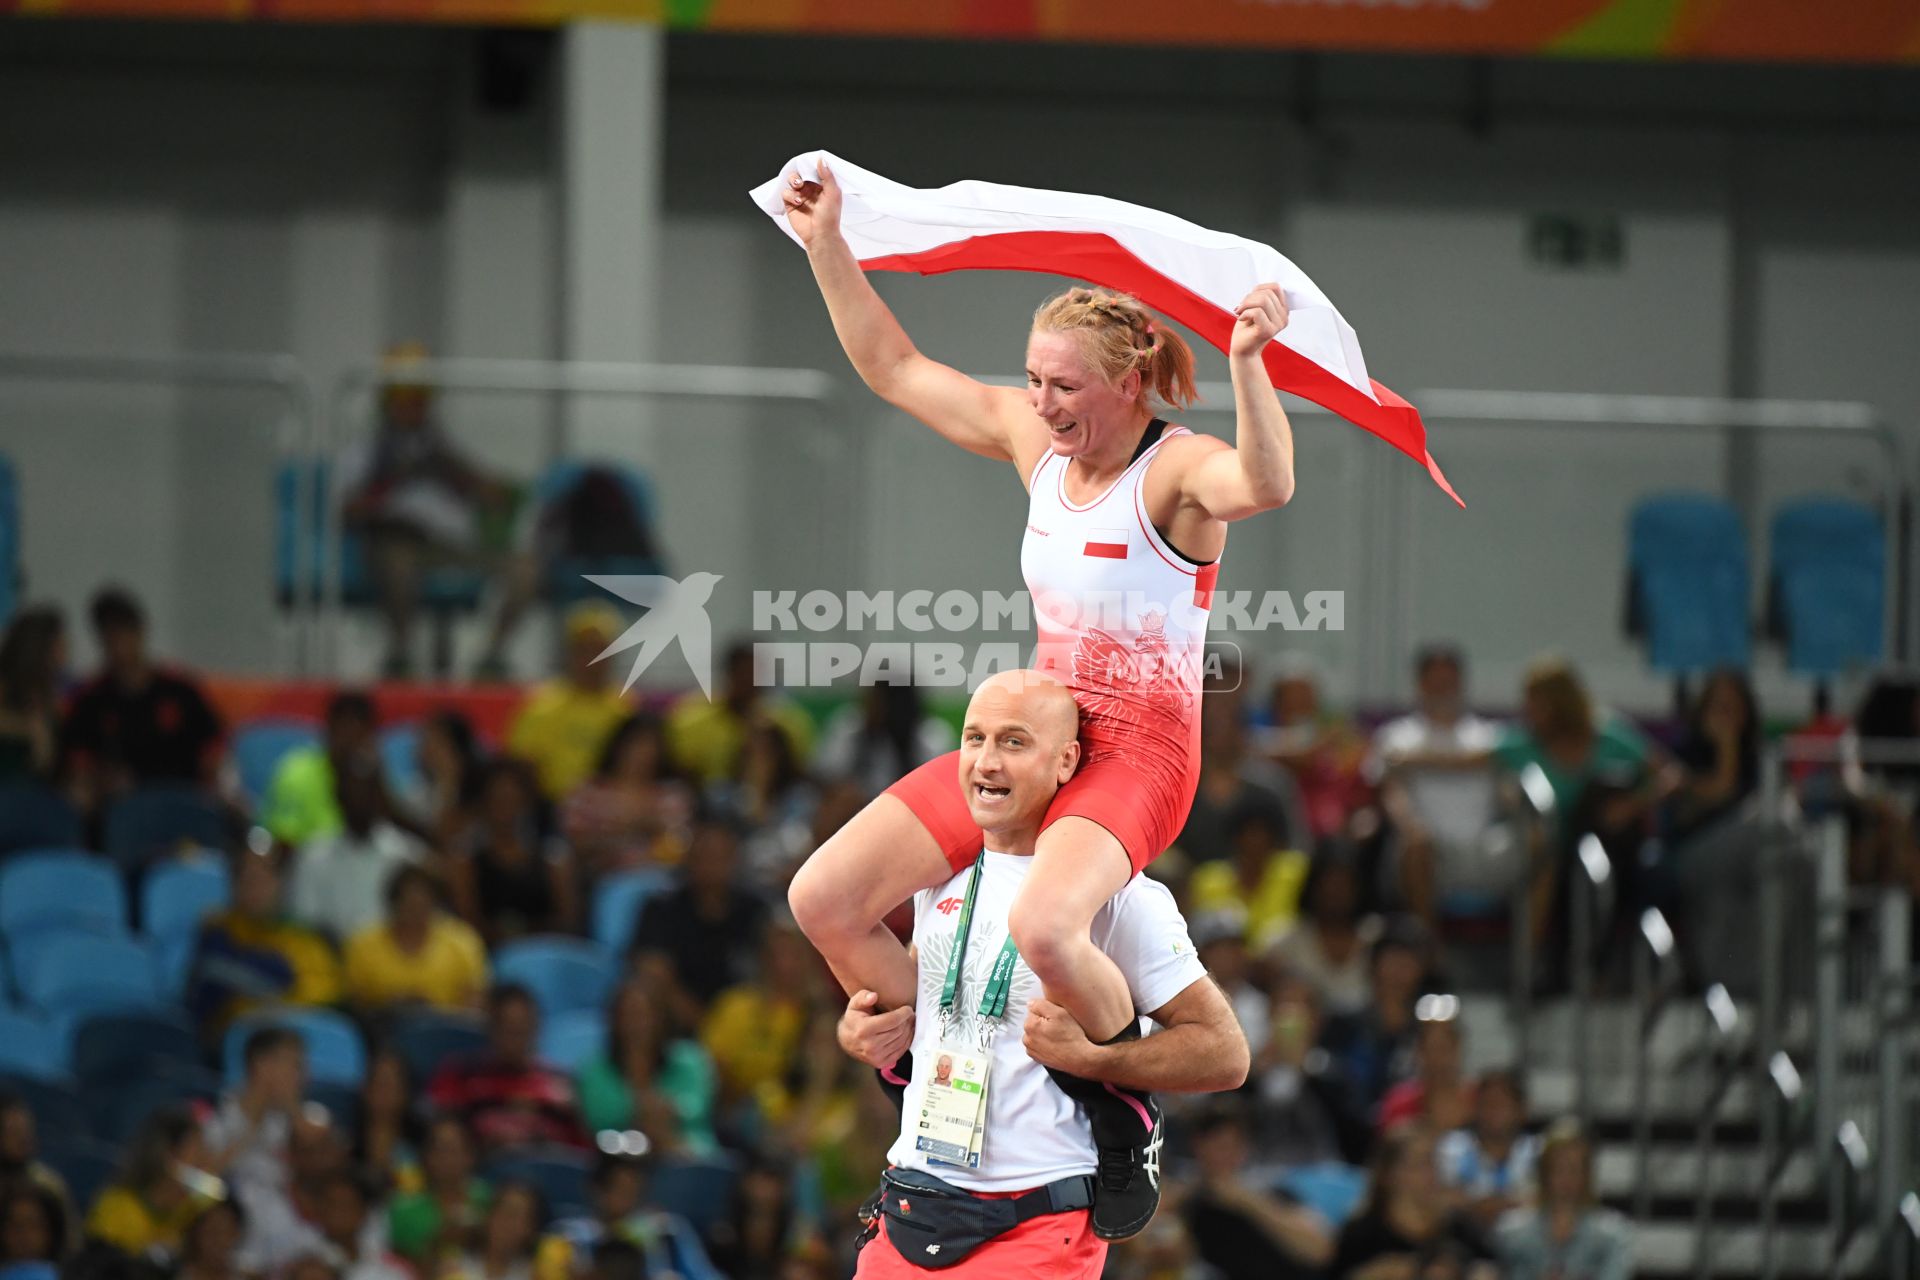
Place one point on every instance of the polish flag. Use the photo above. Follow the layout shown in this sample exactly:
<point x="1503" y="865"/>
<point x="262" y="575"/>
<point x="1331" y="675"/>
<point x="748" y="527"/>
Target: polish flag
<point x="1107" y="544"/>
<point x="1183" y="271"/>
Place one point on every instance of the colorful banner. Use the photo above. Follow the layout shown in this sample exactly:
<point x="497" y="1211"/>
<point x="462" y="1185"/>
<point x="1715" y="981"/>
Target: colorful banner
<point x="1885" y="31"/>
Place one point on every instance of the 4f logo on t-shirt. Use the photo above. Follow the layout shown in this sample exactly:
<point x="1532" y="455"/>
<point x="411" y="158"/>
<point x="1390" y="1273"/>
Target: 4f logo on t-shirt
<point x="947" y="906"/>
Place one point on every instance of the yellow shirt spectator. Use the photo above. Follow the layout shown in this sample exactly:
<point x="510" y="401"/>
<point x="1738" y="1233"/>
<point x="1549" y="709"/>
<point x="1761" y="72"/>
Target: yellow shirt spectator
<point x="754" y="1039"/>
<point x="1269" y="893"/>
<point x="444" y="965"/>
<point x="706" y="738"/>
<point x="121" y="1218"/>
<point x="562" y="730"/>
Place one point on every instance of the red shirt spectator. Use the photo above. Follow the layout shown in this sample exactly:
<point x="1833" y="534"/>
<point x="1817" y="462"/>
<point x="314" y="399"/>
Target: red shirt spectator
<point x="507" y="1097"/>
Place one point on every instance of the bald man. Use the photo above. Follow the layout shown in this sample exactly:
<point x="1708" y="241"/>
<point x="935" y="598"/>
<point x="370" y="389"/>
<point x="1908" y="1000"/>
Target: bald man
<point x="1033" y="1137"/>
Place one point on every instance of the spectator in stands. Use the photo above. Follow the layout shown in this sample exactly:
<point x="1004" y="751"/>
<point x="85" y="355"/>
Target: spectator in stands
<point x="1605" y="781"/>
<point x="755" y="1031"/>
<point x="1328" y="947"/>
<point x="301" y="802"/>
<point x="420" y="954"/>
<point x="621" y="1212"/>
<point x="1219" y="935"/>
<point x="1233" y="778"/>
<point x="161" y="1187"/>
<point x="1261" y="874"/>
<point x="707" y="735"/>
<point x="760" y="1236"/>
<point x="387" y="1131"/>
<point x="691" y="940"/>
<point x="1375" y="1046"/>
<point x="33" y="1225"/>
<point x="355" y="1235"/>
<point x="1492" y="1162"/>
<point x="311" y="1266"/>
<point x="1718" y="756"/>
<point x="433" y="1224"/>
<point x="881" y="737"/>
<point x="211" y="1243"/>
<point x="1438" y="1096"/>
<point x="1406" y="1228"/>
<point x="247" y="1136"/>
<point x="252" y="955"/>
<point x="768" y="797"/>
<point x="1567" y="1235"/>
<point x="566" y="722"/>
<point x="1322" y="751"/>
<point x="511" y="879"/>
<point x="20" y="1154"/>
<point x="285" y="1221"/>
<point x="136" y="722"/>
<point x="1440" y="794"/>
<point x="340" y="880"/>
<point x="635" y="812"/>
<point x="416" y="499"/>
<point x="505" y="1094"/>
<point x="649" y="1078"/>
<point x="449" y="776"/>
<point x="504" y="1246"/>
<point x="1243" y="1229"/>
<point x="32" y="656"/>
<point x="1303" y="1108"/>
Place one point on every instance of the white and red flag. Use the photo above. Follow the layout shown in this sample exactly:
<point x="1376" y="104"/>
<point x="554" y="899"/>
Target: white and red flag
<point x="1182" y="270"/>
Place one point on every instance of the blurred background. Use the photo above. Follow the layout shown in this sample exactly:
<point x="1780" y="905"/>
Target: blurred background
<point x="339" y="341"/>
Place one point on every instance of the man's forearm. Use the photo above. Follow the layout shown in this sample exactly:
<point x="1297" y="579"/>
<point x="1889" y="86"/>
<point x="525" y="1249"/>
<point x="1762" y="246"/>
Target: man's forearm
<point x="1192" y="1057"/>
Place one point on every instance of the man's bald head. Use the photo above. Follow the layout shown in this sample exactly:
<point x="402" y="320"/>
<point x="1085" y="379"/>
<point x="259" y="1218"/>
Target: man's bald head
<point x="1046" y="703"/>
<point x="1019" y="745"/>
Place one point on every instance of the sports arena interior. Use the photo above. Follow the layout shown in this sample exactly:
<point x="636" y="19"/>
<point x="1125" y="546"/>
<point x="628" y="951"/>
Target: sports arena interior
<point x="361" y="364"/>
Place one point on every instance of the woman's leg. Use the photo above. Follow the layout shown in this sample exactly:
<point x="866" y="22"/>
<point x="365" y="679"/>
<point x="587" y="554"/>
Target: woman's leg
<point x="870" y="866"/>
<point x="1078" y="865"/>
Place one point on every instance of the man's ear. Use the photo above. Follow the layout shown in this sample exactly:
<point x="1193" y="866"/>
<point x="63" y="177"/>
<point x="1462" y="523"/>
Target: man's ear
<point x="1069" y="761"/>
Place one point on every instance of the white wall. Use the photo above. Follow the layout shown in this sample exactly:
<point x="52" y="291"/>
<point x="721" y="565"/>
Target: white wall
<point x="324" y="199"/>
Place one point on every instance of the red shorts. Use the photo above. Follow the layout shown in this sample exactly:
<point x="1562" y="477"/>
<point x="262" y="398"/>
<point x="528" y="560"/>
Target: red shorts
<point x="1143" y="807"/>
<point x="1056" y="1246"/>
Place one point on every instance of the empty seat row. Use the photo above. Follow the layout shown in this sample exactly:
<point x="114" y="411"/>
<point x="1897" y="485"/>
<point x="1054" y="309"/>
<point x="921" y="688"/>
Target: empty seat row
<point x="1689" y="584"/>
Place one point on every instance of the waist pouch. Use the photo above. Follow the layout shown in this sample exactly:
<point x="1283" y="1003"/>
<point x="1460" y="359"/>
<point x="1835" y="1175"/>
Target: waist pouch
<point x="934" y="1224"/>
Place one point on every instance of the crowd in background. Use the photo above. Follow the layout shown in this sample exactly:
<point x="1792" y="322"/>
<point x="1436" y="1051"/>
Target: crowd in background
<point x="1337" y="877"/>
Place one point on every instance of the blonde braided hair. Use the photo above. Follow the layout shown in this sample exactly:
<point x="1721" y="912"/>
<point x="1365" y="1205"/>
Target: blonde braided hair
<point x="1118" y="335"/>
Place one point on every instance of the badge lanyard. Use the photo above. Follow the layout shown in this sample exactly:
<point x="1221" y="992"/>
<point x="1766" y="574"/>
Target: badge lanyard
<point x="993" y="1001"/>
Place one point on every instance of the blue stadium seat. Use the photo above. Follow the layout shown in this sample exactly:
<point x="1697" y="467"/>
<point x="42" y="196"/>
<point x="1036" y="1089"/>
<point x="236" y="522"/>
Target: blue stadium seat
<point x="565" y="580"/>
<point x="56" y="1107"/>
<point x="560" y="1173"/>
<point x="1332" y="1190"/>
<point x="155" y="822"/>
<point x="70" y="973"/>
<point x="617" y="900"/>
<point x="173" y="962"/>
<point x="335" y="1052"/>
<point x="563" y="973"/>
<point x="86" y="1164"/>
<point x="174" y="898"/>
<point x="126" y="1109"/>
<point x="341" y="1101"/>
<point x="1826" y="585"/>
<point x="112" y="1050"/>
<point x="33" y="816"/>
<point x="400" y="757"/>
<point x="701" y="1191"/>
<point x="425" y="1041"/>
<point x="571" y="1040"/>
<point x="1688" y="583"/>
<point x="29" y="1271"/>
<point x="259" y="746"/>
<point x="60" y="892"/>
<point x="29" y="1046"/>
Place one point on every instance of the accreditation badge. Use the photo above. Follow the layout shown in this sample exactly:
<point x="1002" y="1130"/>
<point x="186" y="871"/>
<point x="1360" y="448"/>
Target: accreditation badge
<point x="953" y="1107"/>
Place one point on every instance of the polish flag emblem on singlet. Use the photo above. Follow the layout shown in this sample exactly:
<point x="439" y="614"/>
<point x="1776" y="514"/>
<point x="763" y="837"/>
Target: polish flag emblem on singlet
<point x="1107" y="544"/>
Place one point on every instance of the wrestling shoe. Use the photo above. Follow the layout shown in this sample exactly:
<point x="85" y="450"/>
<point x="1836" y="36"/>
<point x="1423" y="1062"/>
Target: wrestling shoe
<point x="1128" y="1131"/>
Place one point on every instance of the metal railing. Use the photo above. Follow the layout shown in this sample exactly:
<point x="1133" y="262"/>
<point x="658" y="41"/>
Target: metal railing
<point x="1656" y="988"/>
<point x="1719" y="1052"/>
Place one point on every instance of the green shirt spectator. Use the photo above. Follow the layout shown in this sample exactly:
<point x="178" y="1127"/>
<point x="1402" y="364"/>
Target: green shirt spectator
<point x="300" y="803"/>
<point x="434" y="1222"/>
<point x="684" y="1082"/>
<point x="416" y="1219"/>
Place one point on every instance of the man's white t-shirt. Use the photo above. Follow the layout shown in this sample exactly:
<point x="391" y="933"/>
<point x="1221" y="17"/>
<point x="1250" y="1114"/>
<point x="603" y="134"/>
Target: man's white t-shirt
<point x="1034" y="1133"/>
<point x="1459" y="805"/>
